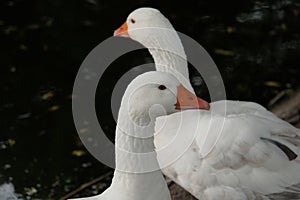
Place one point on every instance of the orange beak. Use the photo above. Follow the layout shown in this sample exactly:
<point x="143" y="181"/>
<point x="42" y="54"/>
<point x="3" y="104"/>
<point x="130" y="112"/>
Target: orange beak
<point x="187" y="100"/>
<point x="122" y="31"/>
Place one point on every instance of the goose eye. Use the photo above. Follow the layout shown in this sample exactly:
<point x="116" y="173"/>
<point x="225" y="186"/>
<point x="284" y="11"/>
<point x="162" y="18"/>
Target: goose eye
<point x="162" y="87"/>
<point x="132" y="21"/>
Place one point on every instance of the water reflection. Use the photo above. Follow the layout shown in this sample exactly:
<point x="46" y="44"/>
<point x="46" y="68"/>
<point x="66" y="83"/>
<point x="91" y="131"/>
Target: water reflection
<point x="7" y="192"/>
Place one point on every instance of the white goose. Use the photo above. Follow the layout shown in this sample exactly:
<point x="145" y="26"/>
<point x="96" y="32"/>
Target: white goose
<point x="256" y="155"/>
<point x="137" y="175"/>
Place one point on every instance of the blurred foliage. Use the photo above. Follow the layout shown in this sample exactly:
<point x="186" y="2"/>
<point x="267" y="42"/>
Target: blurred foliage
<point x="255" y="44"/>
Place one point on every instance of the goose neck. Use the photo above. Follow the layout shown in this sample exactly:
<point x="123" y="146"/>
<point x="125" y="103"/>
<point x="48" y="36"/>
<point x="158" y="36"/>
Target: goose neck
<point x="135" y="157"/>
<point x="169" y="55"/>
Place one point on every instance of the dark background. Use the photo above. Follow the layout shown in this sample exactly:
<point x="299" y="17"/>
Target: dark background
<point x="255" y="44"/>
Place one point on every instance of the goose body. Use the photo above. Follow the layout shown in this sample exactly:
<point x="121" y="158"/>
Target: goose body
<point x="137" y="175"/>
<point x="236" y="150"/>
<point x="250" y="159"/>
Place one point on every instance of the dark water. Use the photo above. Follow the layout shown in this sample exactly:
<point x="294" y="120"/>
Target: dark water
<point x="255" y="44"/>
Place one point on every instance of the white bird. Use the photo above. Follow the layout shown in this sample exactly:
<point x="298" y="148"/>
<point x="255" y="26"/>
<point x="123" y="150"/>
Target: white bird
<point x="7" y="191"/>
<point x="255" y="155"/>
<point x="137" y="175"/>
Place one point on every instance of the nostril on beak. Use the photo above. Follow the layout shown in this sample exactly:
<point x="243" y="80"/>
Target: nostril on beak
<point x="191" y="98"/>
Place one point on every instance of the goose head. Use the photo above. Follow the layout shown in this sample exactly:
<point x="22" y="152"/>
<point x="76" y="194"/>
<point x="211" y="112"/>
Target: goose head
<point x="143" y="24"/>
<point x="156" y="94"/>
<point x="154" y="31"/>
